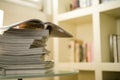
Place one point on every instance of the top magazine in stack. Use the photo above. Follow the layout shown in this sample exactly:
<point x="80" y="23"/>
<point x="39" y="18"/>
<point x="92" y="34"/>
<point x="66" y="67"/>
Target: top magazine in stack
<point x="23" y="47"/>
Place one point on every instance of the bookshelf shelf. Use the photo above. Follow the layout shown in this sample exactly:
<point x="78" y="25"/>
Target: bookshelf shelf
<point x="111" y="67"/>
<point x="83" y="12"/>
<point x="107" y="6"/>
<point x="82" y="20"/>
<point x="78" y="66"/>
<point x="109" y="21"/>
<point x="75" y="13"/>
<point x="114" y="12"/>
<point x="90" y="66"/>
<point x="91" y="24"/>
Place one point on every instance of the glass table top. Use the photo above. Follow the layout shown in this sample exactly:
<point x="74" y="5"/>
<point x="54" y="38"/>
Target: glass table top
<point x="52" y="74"/>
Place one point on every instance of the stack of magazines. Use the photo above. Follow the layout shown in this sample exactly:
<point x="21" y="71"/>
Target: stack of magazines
<point x="22" y="47"/>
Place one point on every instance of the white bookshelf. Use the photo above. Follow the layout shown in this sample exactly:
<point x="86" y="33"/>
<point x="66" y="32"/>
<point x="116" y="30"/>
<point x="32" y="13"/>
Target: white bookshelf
<point x="93" y="25"/>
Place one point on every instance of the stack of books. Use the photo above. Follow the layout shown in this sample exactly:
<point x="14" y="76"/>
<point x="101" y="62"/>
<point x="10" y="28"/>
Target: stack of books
<point x="22" y="47"/>
<point x="115" y="48"/>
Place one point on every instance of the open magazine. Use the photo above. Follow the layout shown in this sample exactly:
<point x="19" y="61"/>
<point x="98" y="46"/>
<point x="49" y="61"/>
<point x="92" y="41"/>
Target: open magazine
<point x="55" y="30"/>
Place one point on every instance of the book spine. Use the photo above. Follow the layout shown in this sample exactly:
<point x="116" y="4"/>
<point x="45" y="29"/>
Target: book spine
<point x="71" y="47"/>
<point x="80" y="51"/>
<point x="111" y="48"/>
<point x="118" y="44"/>
<point x="77" y="52"/>
<point x="82" y="3"/>
<point x="75" y="4"/>
<point x="89" y="2"/>
<point x="89" y="53"/>
<point x="115" y="48"/>
<point x="114" y="55"/>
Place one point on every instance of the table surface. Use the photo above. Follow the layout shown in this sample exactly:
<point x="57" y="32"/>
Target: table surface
<point x="52" y="74"/>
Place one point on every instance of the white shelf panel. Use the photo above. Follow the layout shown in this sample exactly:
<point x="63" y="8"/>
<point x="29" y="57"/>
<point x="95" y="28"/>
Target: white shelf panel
<point x="109" y="6"/>
<point x="90" y="66"/>
<point x="80" y="20"/>
<point x="110" y="66"/>
<point x="78" y="66"/>
<point x="85" y="66"/>
<point x="80" y="12"/>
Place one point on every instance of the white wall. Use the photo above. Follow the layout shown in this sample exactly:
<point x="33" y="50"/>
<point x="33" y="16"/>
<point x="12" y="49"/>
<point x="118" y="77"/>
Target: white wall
<point x="85" y="32"/>
<point x="1" y="18"/>
<point x="118" y="26"/>
<point x="14" y="13"/>
<point x="47" y="5"/>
